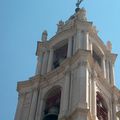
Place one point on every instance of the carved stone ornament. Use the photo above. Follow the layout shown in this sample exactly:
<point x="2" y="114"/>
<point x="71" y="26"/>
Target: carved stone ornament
<point x="83" y="63"/>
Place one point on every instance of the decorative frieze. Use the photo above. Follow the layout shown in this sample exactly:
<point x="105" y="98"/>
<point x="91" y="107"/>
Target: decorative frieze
<point x="83" y="63"/>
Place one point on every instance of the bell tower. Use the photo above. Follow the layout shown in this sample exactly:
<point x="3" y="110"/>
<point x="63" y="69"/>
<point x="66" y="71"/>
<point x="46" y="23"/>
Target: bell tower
<point x="74" y="76"/>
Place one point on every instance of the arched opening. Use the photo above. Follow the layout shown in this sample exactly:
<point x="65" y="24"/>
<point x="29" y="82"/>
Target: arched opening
<point x="52" y="104"/>
<point x="102" y="112"/>
<point x="60" y="53"/>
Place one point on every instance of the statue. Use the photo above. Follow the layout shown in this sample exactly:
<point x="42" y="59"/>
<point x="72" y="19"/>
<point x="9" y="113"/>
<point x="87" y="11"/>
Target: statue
<point x="78" y="3"/>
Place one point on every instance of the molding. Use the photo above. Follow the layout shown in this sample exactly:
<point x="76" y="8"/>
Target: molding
<point x="77" y="111"/>
<point x="28" y="85"/>
<point x="115" y="91"/>
<point x="72" y="63"/>
<point x="111" y="56"/>
<point x="83" y="63"/>
<point x="61" y="36"/>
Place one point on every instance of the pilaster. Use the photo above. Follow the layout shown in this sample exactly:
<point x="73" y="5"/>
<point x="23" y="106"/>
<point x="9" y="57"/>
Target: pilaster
<point x="112" y="74"/>
<point x="19" y="107"/>
<point x="94" y="109"/>
<point x="103" y="67"/>
<point x="69" y="52"/>
<point x="45" y="63"/>
<point x="114" y="117"/>
<point x="65" y="96"/>
<point x="33" y="104"/>
<point x="83" y="77"/>
<point x="39" y="106"/>
<point x="39" y="63"/>
<point x="86" y="40"/>
<point x="107" y="70"/>
<point x="50" y="61"/>
<point x="78" y="40"/>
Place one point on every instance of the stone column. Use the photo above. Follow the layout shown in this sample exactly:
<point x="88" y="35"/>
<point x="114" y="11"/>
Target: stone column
<point x="112" y="74"/>
<point x="39" y="64"/>
<point x="33" y="105"/>
<point x="107" y="70"/>
<point x="19" y="107"/>
<point x="94" y="109"/>
<point x="86" y="40"/>
<point x="50" y="61"/>
<point x="39" y="106"/>
<point x="74" y="44"/>
<point x="91" y="47"/>
<point x="83" y="77"/>
<point x="103" y="67"/>
<point x="90" y="93"/>
<point x="79" y="38"/>
<point x="65" y="96"/>
<point x="69" y="52"/>
<point x="114" y="108"/>
<point x="45" y="62"/>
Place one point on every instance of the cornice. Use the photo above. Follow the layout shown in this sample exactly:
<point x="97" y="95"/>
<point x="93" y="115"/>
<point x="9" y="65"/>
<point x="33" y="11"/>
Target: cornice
<point x="109" y="88"/>
<point x="69" y="24"/>
<point x="80" y="58"/>
<point x="77" y="111"/>
<point x="111" y="56"/>
<point x="80" y="54"/>
<point x="98" y="40"/>
<point x="105" y="85"/>
<point x="35" y="81"/>
<point x="116" y="91"/>
<point x="67" y="64"/>
<point x="30" y="84"/>
<point x="61" y="36"/>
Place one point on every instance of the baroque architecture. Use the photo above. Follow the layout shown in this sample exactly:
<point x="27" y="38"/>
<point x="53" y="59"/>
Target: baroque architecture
<point x="74" y="76"/>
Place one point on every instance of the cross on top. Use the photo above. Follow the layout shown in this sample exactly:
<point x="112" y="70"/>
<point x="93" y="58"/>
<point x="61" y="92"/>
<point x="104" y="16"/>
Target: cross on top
<point x="78" y="3"/>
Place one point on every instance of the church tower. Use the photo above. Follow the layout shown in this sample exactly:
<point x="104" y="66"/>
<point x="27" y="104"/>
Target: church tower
<point x="74" y="77"/>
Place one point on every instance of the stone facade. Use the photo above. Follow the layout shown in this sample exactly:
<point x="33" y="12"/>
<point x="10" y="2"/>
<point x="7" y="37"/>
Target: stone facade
<point x="77" y="64"/>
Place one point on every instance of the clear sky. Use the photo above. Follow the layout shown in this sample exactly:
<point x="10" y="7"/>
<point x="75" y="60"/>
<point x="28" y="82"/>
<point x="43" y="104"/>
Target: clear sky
<point x="21" y="25"/>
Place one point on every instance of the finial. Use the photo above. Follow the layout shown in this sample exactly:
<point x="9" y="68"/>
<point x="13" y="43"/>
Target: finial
<point x="44" y="36"/>
<point x="78" y="4"/>
<point x="60" y="25"/>
<point x="109" y="46"/>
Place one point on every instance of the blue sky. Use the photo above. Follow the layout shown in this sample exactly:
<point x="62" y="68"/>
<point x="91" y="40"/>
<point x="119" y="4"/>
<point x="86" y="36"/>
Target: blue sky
<point x="21" y="25"/>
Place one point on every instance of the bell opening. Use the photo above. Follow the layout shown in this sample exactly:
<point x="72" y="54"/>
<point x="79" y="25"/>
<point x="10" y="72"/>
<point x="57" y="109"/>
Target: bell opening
<point x="52" y="106"/>
<point x="50" y="116"/>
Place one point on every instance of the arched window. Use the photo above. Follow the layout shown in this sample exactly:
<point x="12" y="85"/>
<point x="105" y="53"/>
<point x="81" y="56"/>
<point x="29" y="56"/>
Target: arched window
<point x="60" y="55"/>
<point x="52" y="104"/>
<point x="102" y="112"/>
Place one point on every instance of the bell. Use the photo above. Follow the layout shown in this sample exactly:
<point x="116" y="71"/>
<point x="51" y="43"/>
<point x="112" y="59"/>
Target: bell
<point x="52" y="114"/>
